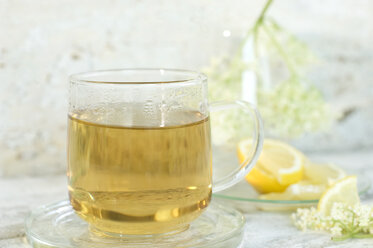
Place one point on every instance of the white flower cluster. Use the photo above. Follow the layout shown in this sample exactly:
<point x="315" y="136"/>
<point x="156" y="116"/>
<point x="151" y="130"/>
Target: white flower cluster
<point x="293" y="108"/>
<point x="343" y="222"/>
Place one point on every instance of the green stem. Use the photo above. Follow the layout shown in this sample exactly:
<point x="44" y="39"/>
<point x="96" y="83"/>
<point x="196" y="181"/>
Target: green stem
<point x="255" y="41"/>
<point x="343" y="225"/>
<point x="356" y="231"/>
<point x="341" y="238"/>
<point x="254" y="30"/>
<point x="281" y="51"/>
<point x="262" y="13"/>
<point x="362" y="236"/>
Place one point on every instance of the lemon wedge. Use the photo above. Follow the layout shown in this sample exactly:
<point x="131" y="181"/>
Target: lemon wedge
<point x="278" y="166"/>
<point x="303" y="190"/>
<point x="264" y="182"/>
<point x="326" y="174"/>
<point x="316" y="179"/>
<point x="344" y="191"/>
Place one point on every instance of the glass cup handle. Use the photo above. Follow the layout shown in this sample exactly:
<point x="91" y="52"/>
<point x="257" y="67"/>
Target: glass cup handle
<point x="239" y="173"/>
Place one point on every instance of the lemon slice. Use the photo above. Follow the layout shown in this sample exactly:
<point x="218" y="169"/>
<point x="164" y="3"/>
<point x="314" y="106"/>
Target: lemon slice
<point x="263" y="182"/>
<point x="282" y="160"/>
<point x="278" y="166"/>
<point x="303" y="190"/>
<point x="316" y="178"/>
<point x="344" y="191"/>
<point x="326" y="174"/>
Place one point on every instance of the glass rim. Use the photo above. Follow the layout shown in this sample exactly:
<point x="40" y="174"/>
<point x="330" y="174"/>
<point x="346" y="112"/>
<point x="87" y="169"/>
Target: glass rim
<point x="191" y="76"/>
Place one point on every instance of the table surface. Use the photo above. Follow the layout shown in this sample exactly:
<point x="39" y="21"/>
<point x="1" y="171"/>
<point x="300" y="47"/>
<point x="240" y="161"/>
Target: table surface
<point x="263" y="229"/>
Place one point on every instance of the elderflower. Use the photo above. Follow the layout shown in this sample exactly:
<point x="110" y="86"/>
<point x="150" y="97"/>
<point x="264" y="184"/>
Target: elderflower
<point x="291" y="106"/>
<point x="336" y="230"/>
<point x="343" y="222"/>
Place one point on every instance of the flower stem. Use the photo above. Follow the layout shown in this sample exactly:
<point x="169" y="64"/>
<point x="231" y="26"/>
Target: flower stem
<point x="262" y="13"/>
<point x="281" y="51"/>
<point x="341" y="238"/>
<point x="254" y="30"/>
<point x="362" y="236"/>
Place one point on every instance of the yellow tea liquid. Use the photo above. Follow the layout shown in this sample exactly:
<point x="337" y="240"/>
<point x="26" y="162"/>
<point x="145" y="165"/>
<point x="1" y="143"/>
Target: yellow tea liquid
<point x="139" y="179"/>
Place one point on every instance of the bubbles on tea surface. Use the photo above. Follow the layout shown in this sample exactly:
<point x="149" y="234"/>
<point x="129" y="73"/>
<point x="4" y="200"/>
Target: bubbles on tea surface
<point x="163" y="106"/>
<point x="148" y="107"/>
<point x="176" y="106"/>
<point x="150" y="113"/>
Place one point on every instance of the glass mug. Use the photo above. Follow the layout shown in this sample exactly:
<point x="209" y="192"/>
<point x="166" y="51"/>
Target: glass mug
<point x="139" y="149"/>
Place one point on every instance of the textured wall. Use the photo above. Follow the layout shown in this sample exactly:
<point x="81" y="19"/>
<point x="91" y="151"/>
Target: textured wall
<point x="42" y="42"/>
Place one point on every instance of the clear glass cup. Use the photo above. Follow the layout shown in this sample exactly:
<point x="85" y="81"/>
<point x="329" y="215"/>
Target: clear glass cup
<point x="139" y="149"/>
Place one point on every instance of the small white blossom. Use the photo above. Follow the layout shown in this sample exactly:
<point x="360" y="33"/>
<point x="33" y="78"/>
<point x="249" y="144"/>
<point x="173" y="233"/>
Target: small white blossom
<point x="336" y="230"/>
<point x="363" y="214"/>
<point x="343" y="222"/>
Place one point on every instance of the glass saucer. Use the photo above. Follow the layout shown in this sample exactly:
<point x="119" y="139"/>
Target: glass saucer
<point x="57" y="225"/>
<point x="243" y="197"/>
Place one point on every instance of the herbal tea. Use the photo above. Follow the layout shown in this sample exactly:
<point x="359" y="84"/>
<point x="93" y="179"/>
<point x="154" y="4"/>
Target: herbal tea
<point x="139" y="179"/>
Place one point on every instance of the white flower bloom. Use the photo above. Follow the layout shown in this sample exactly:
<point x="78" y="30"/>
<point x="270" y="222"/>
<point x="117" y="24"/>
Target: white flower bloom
<point x="363" y="214"/>
<point x="336" y="230"/>
<point x="338" y="212"/>
<point x="343" y="220"/>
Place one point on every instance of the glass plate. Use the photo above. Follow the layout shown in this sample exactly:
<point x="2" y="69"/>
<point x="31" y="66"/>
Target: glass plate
<point x="244" y="196"/>
<point x="57" y="225"/>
